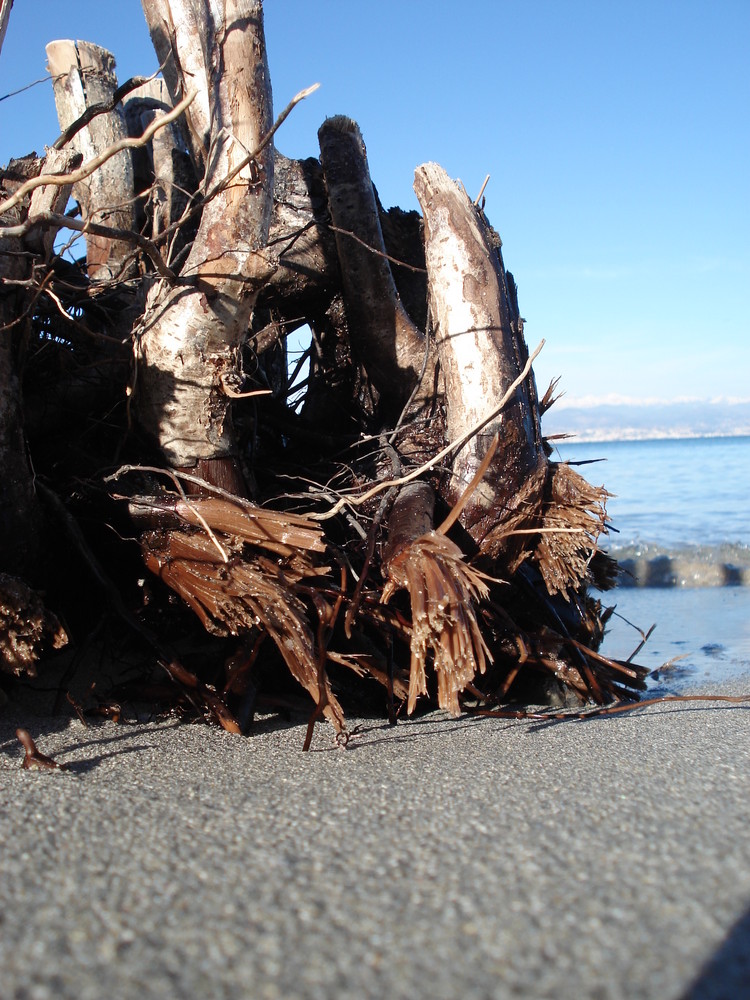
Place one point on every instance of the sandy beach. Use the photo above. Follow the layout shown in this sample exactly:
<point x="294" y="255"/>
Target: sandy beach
<point x="441" y="858"/>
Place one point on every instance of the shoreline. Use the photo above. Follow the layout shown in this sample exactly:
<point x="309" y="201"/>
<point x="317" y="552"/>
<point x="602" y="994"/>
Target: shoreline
<point x="702" y="633"/>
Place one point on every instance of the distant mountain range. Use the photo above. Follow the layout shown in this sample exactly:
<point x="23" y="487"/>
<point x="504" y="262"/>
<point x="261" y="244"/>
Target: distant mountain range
<point x="613" y="418"/>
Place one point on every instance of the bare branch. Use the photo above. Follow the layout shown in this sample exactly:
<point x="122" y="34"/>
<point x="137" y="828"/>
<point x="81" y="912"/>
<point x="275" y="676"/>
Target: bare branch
<point x="101" y="109"/>
<point x="88" y="168"/>
<point x="247" y="160"/>
<point x="52" y="219"/>
<point x="378" y="253"/>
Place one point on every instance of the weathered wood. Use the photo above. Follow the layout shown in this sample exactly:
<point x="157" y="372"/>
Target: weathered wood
<point x="164" y="174"/>
<point x="83" y="75"/>
<point x="51" y="198"/>
<point x="443" y="591"/>
<point x="308" y="275"/>
<point x="273" y="244"/>
<point x="191" y="333"/>
<point x="383" y="336"/>
<point x="177" y="29"/>
<point x="480" y="348"/>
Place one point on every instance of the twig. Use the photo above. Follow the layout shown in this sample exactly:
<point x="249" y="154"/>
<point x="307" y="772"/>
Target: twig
<point x="197" y="207"/>
<point x="436" y="459"/>
<point x="245" y="161"/>
<point x="53" y="220"/>
<point x="42" y="79"/>
<point x="88" y="168"/>
<point x="77" y="324"/>
<point x="234" y="394"/>
<point x="645" y="636"/>
<point x="34" y="759"/>
<point x="194" y="507"/>
<point x="467" y="494"/>
<point x="195" y="480"/>
<point x="378" y="253"/>
<point x="481" y="191"/>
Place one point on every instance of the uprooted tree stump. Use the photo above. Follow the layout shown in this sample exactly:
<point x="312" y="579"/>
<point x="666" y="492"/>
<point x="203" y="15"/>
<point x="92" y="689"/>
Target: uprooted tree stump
<point x="379" y="514"/>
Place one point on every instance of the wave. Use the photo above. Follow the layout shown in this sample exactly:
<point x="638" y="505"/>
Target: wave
<point x="649" y="565"/>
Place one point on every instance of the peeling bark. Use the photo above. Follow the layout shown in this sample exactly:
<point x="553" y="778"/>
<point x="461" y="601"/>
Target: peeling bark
<point x="51" y="198"/>
<point x="191" y="333"/>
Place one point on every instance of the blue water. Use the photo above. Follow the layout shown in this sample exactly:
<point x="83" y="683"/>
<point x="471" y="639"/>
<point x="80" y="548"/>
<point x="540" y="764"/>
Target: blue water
<point x="682" y="512"/>
<point x="680" y="516"/>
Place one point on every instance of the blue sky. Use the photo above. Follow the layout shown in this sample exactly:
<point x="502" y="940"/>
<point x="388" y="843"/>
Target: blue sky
<point x="617" y="137"/>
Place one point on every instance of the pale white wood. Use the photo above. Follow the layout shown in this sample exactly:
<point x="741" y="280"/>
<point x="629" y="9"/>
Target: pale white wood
<point x="84" y="75"/>
<point x="480" y="346"/>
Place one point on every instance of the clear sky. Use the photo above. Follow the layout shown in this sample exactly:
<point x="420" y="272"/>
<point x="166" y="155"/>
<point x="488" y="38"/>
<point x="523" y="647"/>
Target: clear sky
<point x="617" y="136"/>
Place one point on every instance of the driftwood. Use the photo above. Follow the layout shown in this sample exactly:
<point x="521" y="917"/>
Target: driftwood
<point x="191" y="333"/>
<point x="382" y="335"/>
<point x="83" y="75"/>
<point x="482" y="351"/>
<point x="379" y="519"/>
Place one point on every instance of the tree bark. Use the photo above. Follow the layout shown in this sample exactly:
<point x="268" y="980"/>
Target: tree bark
<point x="480" y="346"/>
<point x="308" y="274"/>
<point x="177" y="29"/>
<point x="165" y="178"/>
<point x="83" y="75"/>
<point x="383" y="336"/>
<point x="191" y="333"/>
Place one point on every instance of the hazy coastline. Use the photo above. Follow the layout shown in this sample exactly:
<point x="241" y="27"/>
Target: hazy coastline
<point x="619" y="418"/>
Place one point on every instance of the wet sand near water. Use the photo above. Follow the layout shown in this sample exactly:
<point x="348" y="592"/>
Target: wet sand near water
<point x="707" y="628"/>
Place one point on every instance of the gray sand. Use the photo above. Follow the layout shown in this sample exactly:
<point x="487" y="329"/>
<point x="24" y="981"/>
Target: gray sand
<point x="472" y="858"/>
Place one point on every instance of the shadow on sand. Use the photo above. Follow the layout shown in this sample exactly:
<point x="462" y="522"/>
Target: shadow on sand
<point x="726" y="975"/>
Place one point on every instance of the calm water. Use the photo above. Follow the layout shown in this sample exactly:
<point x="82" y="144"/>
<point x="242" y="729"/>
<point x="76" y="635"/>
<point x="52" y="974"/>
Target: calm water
<point x="682" y="512"/>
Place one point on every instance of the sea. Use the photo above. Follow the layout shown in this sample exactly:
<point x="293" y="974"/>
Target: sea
<point x="680" y="529"/>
